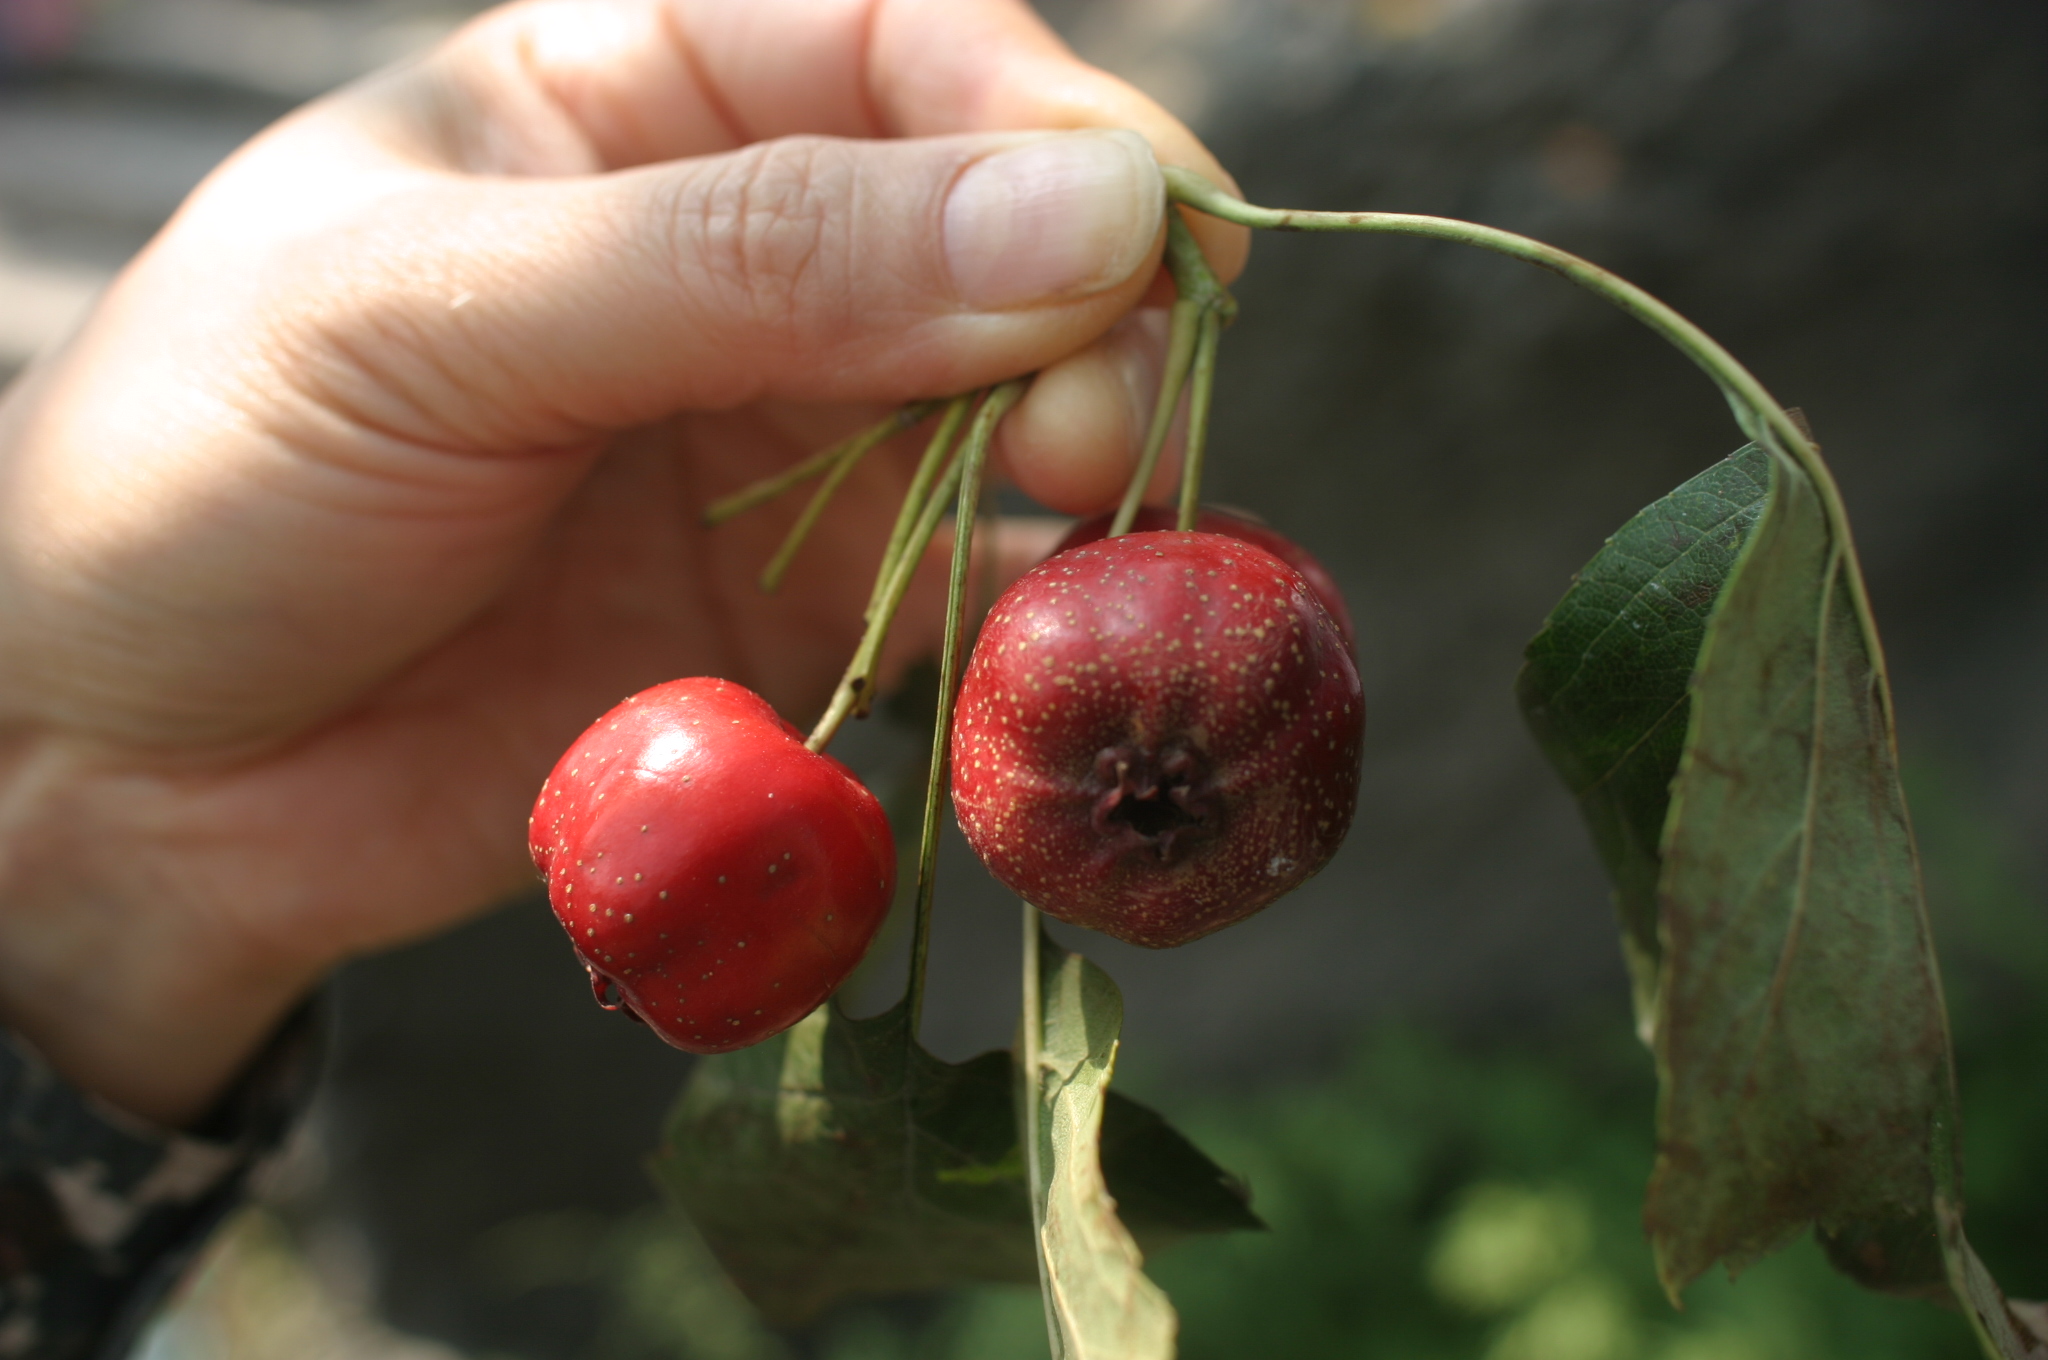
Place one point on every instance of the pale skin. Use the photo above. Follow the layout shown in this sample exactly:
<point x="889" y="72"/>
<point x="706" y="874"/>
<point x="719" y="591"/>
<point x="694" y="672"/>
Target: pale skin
<point x="376" y="477"/>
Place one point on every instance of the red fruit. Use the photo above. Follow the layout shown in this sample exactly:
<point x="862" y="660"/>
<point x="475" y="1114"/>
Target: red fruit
<point x="1158" y="735"/>
<point x="715" y="874"/>
<point x="1230" y="525"/>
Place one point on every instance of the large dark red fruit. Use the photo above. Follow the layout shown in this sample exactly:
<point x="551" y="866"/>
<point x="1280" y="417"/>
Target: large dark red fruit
<point x="1231" y="525"/>
<point x="1158" y="735"/>
<point x="718" y="879"/>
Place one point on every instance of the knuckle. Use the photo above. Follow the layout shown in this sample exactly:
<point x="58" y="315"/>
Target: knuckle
<point x="765" y="236"/>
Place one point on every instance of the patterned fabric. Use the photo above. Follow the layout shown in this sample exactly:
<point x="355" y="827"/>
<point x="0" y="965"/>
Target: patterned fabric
<point x="100" y="1213"/>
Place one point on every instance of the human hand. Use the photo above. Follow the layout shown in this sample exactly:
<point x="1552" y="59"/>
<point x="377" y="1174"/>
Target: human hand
<point x="378" y="473"/>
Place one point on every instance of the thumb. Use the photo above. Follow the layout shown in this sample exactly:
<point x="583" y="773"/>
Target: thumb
<point x="808" y="268"/>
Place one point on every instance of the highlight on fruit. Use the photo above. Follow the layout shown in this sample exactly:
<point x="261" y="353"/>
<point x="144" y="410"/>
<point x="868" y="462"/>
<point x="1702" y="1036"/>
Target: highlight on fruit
<point x="717" y="879"/>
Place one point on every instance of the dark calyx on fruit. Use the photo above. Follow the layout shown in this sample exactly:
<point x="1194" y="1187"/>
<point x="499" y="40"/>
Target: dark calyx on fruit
<point x="1158" y="735"/>
<point x="1160" y="802"/>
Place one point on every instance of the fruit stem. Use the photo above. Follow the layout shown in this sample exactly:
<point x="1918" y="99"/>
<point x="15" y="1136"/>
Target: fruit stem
<point x="936" y="452"/>
<point x="793" y="541"/>
<point x="1201" y="390"/>
<point x="1200" y="294"/>
<point x="1180" y="352"/>
<point x="1030" y="1105"/>
<point x="966" y="514"/>
<point x="768" y="488"/>
<point x="857" y="683"/>
<point x="1756" y="411"/>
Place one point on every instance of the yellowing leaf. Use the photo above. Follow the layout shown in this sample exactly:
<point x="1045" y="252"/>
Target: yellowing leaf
<point x="1800" y="1026"/>
<point x="1777" y="931"/>
<point x="1099" y="1303"/>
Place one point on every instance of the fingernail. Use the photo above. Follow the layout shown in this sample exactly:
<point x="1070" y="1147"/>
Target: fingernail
<point x="1065" y="216"/>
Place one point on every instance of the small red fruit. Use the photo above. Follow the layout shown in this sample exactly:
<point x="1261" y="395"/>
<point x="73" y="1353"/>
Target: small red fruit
<point x="1158" y="735"/>
<point x="717" y="876"/>
<point x="1231" y="525"/>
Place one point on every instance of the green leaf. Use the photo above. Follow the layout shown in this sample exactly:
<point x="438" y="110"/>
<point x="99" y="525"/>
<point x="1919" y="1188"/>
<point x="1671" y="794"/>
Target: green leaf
<point x="841" y="1159"/>
<point x="1099" y="1303"/>
<point x="1604" y="686"/>
<point x="1166" y="1188"/>
<point x="1771" y="901"/>
<point x="1800" y="1028"/>
<point x="838" y="1159"/>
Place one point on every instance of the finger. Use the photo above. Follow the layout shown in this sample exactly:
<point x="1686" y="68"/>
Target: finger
<point x="516" y="314"/>
<point x="566" y="86"/>
<point x="942" y="65"/>
<point x="1074" y="440"/>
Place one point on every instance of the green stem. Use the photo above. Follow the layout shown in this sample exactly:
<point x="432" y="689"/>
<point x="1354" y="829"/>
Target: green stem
<point x="1201" y="390"/>
<point x="859" y="676"/>
<point x="1192" y="276"/>
<point x="1199" y="297"/>
<point x="973" y="459"/>
<point x="793" y="541"/>
<point x="936" y="452"/>
<point x="1180" y="353"/>
<point x="1756" y="410"/>
<point x="1031" y="1108"/>
<point x="768" y="488"/>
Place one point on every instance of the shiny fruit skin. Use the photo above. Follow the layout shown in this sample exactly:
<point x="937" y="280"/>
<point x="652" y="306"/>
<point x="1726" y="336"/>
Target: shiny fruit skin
<point x="1230" y="524"/>
<point x="1158" y="735"/>
<point x="710" y="870"/>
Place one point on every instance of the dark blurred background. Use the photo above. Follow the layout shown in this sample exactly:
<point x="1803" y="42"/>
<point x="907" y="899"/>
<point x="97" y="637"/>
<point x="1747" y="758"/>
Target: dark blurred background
<point x="1850" y="194"/>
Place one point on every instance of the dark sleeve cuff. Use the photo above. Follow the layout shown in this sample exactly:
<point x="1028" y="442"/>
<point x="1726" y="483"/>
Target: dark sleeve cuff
<point x="101" y="1213"/>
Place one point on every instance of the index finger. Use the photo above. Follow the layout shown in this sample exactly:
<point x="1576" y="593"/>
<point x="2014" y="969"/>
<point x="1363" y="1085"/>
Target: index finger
<point x="567" y="86"/>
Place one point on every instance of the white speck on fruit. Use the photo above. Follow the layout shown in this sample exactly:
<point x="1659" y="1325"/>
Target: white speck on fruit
<point x="664" y="894"/>
<point x="636" y="878"/>
<point x="721" y="878"/>
<point x="773" y="867"/>
<point x="629" y="918"/>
